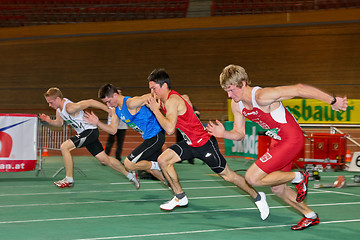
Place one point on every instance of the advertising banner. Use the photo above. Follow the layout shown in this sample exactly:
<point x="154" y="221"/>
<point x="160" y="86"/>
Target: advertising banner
<point x="315" y="111"/>
<point x="248" y="147"/>
<point x="18" y="142"/>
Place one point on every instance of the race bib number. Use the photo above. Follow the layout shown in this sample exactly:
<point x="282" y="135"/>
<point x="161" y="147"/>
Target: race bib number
<point x="136" y="128"/>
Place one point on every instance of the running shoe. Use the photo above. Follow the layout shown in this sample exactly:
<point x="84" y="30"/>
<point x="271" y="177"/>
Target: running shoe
<point x="340" y="182"/>
<point x="306" y="222"/>
<point x="64" y="183"/>
<point x="173" y="203"/>
<point x="302" y="187"/>
<point x="135" y="180"/>
<point x="263" y="206"/>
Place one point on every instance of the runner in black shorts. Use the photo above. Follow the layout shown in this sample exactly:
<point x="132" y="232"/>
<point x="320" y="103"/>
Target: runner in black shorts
<point x="87" y="134"/>
<point x="149" y="150"/>
<point x="89" y="139"/>
<point x="133" y="112"/>
<point x="208" y="153"/>
<point x="177" y="113"/>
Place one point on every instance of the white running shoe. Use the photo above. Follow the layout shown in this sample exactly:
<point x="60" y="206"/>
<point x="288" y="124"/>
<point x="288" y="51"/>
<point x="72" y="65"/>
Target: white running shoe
<point x="64" y="183"/>
<point x="263" y="206"/>
<point x="135" y="180"/>
<point x="173" y="203"/>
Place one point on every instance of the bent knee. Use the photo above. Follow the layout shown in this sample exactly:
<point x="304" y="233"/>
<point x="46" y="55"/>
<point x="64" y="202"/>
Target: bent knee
<point x="225" y="176"/>
<point x="252" y="180"/>
<point x="168" y="157"/>
<point x="66" y="146"/>
<point x="128" y="164"/>
<point x="229" y="175"/>
<point x="104" y="160"/>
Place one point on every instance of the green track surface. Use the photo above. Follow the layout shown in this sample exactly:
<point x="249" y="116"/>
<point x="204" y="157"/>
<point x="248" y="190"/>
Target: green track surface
<point x="104" y="205"/>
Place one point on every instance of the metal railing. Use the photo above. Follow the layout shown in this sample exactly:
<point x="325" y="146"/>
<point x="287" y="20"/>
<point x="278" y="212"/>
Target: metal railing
<point x="51" y="138"/>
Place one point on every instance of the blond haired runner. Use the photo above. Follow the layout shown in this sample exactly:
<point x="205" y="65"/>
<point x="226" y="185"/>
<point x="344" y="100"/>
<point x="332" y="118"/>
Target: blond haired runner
<point x="263" y="106"/>
<point x="87" y="134"/>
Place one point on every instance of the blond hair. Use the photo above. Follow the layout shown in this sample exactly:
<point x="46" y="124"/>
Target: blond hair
<point x="233" y="75"/>
<point x="54" y="92"/>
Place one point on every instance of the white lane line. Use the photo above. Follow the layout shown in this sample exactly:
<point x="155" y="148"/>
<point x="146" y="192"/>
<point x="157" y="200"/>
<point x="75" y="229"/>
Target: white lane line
<point x="124" y="201"/>
<point x="65" y="191"/>
<point x="165" y="213"/>
<point x="183" y="181"/>
<point x="337" y="192"/>
<point x="211" y="230"/>
<point x="316" y="191"/>
<point x="118" y="201"/>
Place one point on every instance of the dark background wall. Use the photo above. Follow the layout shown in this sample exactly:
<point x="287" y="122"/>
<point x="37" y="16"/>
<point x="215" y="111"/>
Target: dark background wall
<point x="319" y="48"/>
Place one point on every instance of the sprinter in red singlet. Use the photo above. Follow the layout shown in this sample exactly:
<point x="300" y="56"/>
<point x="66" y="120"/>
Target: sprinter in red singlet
<point x="197" y="143"/>
<point x="263" y="106"/>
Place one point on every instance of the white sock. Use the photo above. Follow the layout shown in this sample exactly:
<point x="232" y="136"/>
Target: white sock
<point x="298" y="177"/>
<point x="69" y="179"/>
<point x="311" y="215"/>
<point x="155" y="166"/>
<point x="130" y="175"/>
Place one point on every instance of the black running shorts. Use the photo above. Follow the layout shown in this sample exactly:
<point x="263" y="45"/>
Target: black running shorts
<point x="89" y="139"/>
<point x="149" y="150"/>
<point x="208" y="153"/>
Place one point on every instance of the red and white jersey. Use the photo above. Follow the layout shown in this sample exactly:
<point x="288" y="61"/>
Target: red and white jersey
<point x="280" y="119"/>
<point x="190" y="126"/>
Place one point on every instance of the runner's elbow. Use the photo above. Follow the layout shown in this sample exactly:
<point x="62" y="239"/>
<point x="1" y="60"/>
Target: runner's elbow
<point x="112" y="131"/>
<point x="170" y="130"/>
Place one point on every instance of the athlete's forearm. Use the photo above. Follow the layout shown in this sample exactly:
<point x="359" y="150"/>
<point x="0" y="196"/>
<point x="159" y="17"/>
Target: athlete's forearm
<point x="233" y="135"/>
<point x="164" y="122"/>
<point x="56" y="123"/>
<point x="107" y="128"/>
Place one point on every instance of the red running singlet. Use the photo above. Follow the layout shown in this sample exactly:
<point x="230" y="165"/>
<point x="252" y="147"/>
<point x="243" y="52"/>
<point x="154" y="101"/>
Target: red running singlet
<point x="189" y="125"/>
<point x="289" y="139"/>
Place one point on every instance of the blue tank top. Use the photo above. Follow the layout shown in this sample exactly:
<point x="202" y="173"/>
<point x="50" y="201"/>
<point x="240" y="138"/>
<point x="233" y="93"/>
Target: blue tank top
<point x="144" y="121"/>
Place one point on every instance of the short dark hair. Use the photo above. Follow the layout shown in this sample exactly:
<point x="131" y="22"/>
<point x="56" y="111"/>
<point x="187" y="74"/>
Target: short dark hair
<point x="107" y="90"/>
<point x="160" y="76"/>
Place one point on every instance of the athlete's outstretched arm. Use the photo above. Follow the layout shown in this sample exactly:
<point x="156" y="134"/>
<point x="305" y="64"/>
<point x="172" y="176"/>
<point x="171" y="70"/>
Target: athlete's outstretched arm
<point x="137" y="102"/>
<point x="267" y="96"/>
<point x="57" y="122"/>
<point x="237" y="133"/>
<point x="73" y="108"/>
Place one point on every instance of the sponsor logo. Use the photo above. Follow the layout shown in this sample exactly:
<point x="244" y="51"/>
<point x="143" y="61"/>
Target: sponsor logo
<point x="266" y="157"/>
<point x="6" y="142"/>
<point x="251" y="113"/>
<point x="273" y="134"/>
<point x="208" y="155"/>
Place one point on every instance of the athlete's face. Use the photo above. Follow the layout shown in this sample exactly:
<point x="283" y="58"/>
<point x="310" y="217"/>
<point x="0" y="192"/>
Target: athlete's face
<point x="53" y="102"/>
<point x="155" y="89"/>
<point x="110" y="101"/>
<point x="235" y="92"/>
